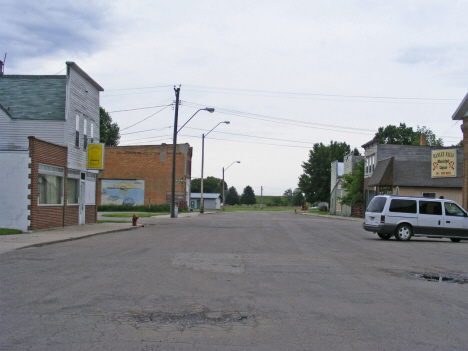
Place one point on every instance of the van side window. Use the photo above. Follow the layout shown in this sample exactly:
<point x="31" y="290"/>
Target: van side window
<point x="377" y="204"/>
<point x="453" y="210"/>
<point x="430" y="208"/>
<point x="403" y="206"/>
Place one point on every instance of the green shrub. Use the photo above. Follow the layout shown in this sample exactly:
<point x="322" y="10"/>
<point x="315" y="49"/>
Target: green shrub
<point x="130" y="208"/>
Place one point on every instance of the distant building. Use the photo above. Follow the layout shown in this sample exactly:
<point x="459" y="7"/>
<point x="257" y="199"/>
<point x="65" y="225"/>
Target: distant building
<point x="211" y="201"/>
<point x="337" y="192"/>
<point x="46" y="123"/>
<point x="138" y="175"/>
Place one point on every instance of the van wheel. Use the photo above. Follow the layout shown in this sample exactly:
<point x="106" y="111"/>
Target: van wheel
<point x="403" y="232"/>
<point x="455" y="240"/>
<point x="384" y="236"/>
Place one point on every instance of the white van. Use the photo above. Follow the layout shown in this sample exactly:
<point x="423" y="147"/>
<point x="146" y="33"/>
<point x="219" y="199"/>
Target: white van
<point x="404" y="217"/>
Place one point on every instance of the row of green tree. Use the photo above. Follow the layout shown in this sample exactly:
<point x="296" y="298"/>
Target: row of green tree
<point x="215" y="185"/>
<point x="315" y="182"/>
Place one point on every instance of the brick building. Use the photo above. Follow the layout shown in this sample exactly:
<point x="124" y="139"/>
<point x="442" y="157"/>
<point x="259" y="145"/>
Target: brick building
<point x="135" y="174"/>
<point x="46" y="123"/>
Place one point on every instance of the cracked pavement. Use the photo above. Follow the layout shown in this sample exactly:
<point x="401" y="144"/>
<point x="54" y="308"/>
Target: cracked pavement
<point x="235" y="281"/>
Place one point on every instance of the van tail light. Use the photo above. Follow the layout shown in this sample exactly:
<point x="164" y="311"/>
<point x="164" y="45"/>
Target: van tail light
<point x="382" y="219"/>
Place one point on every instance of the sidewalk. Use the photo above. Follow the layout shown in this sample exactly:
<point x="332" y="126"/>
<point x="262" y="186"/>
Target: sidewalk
<point x="357" y="219"/>
<point x="50" y="236"/>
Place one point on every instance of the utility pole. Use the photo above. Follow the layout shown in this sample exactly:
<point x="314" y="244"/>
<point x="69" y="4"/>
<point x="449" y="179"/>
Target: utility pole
<point x="174" y="145"/>
<point x="261" y="197"/>
<point x="202" y="164"/>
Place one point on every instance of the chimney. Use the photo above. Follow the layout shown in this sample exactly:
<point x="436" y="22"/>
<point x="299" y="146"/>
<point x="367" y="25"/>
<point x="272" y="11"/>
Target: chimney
<point x="423" y="140"/>
<point x="1" y="68"/>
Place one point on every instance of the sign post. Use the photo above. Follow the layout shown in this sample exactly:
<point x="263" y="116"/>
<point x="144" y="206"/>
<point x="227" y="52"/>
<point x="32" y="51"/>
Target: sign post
<point x="95" y="156"/>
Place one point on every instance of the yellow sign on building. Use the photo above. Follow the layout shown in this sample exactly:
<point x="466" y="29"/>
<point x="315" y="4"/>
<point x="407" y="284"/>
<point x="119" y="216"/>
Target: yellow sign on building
<point x="96" y="156"/>
<point x="444" y="163"/>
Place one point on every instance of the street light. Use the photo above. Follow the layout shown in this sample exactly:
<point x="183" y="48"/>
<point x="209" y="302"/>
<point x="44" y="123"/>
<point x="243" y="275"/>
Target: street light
<point x="174" y="145"/>
<point x="224" y="200"/>
<point x="203" y="161"/>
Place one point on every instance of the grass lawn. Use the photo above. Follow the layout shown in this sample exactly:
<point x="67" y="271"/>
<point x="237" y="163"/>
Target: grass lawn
<point x="265" y="208"/>
<point x="130" y="214"/>
<point x="319" y="212"/>
<point x="8" y="231"/>
<point x="99" y="221"/>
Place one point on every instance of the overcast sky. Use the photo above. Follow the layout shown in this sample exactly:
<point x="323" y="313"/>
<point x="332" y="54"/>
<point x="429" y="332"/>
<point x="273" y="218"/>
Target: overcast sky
<point x="285" y="74"/>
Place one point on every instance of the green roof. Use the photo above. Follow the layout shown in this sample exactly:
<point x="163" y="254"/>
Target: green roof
<point x="33" y="97"/>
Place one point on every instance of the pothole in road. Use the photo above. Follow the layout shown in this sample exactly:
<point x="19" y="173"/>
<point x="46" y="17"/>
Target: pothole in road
<point x="188" y="320"/>
<point x="447" y="278"/>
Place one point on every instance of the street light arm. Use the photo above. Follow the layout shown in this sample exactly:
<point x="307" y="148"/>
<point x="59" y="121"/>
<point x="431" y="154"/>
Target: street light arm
<point x="227" y="122"/>
<point x="209" y="109"/>
<point x="225" y="169"/>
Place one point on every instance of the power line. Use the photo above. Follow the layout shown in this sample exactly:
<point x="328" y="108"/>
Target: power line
<point x="284" y="120"/>
<point x="139" y="108"/>
<point x="142" y="131"/>
<point x="144" y="119"/>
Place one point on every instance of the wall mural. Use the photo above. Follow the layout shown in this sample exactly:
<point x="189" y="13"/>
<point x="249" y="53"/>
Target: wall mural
<point x="122" y="192"/>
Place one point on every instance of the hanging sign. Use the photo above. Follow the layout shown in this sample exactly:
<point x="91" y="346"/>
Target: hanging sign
<point x="444" y="163"/>
<point x="96" y="156"/>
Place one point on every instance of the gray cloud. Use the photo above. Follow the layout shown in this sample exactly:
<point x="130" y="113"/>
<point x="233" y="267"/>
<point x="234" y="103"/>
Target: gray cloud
<point x="35" y="29"/>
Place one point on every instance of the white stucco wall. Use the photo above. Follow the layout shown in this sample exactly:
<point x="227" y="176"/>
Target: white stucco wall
<point x="14" y="181"/>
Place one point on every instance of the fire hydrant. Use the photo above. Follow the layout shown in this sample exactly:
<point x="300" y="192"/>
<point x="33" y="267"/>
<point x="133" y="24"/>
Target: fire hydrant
<point x="134" y="219"/>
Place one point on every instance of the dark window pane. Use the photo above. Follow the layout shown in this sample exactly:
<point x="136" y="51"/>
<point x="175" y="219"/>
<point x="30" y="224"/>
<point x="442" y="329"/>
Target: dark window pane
<point x="430" y="207"/>
<point x="377" y="204"/>
<point x="403" y="206"/>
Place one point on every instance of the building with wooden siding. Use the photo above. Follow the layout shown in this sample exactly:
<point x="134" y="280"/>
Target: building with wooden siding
<point x="405" y="170"/>
<point x="461" y="113"/>
<point x="46" y="123"/>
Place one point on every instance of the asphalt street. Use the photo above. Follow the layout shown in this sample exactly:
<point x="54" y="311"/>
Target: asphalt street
<point x="236" y="281"/>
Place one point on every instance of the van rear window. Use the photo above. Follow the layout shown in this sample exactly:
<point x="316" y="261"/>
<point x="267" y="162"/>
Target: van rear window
<point x="377" y="204"/>
<point x="403" y="206"/>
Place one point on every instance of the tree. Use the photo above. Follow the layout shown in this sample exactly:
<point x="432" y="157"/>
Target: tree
<point x="232" y="197"/>
<point x="391" y="134"/>
<point x="210" y="185"/>
<point x="316" y="179"/>
<point x="431" y="139"/>
<point x="288" y="197"/>
<point x="404" y="135"/>
<point x="276" y="201"/>
<point x="108" y="131"/>
<point x="298" y="197"/>
<point x="353" y="183"/>
<point x="248" y="196"/>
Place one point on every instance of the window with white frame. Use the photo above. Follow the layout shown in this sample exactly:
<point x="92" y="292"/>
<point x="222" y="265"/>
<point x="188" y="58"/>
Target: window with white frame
<point x="85" y="133"/>
<point x="50" y="185"/>
<point x="73" y="187"/>
<point x="77" y="131"/>
<point x="92" y="132"/>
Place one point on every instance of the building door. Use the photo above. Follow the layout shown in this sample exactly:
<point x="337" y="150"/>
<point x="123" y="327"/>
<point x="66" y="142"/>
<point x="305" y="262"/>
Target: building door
<point x="82" y="215"/>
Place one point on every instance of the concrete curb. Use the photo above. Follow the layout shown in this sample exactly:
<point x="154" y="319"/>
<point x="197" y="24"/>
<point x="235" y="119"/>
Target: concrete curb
<point x="80" y="237"/>
<point x="334" y="217"/>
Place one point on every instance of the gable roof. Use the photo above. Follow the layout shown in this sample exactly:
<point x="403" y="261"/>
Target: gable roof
<point x="4" y="112"/>
<point x="33" y="97"/>
<point x="383" y="173"/>
<point x="462" y="109"/>
<point x="413" y="173"/>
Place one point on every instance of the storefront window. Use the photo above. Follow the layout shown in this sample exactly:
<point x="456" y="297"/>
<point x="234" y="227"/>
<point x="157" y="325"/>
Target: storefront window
<point x="50" y="185"/>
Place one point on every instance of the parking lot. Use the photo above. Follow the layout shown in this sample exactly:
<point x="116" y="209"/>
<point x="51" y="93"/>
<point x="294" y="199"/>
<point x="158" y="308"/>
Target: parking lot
<point x="237" y="281"/>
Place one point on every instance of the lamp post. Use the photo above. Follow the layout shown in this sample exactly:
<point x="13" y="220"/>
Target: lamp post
<point x="174" y="145"/>
<point x="203" y="161"/>
<point x="224" y="200"/>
